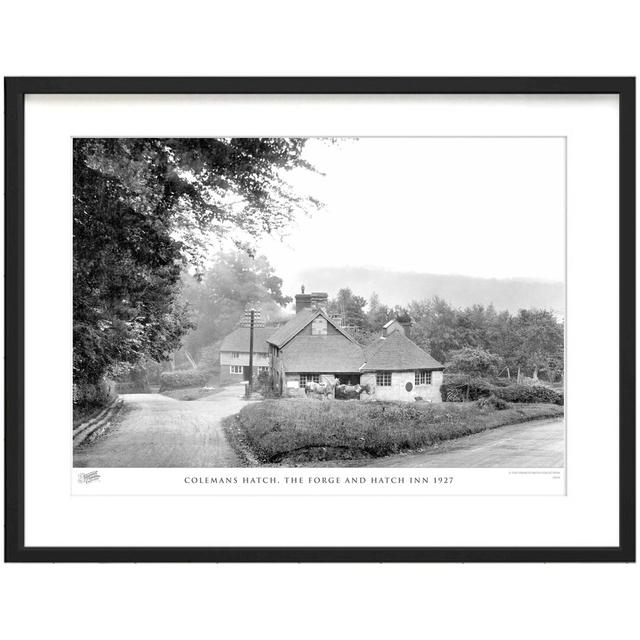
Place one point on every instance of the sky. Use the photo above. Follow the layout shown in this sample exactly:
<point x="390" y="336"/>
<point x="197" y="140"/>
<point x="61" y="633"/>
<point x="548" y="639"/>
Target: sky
<point x="484" y="207"/>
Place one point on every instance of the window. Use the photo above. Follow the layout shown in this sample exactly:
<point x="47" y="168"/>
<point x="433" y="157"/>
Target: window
<point x="235" y="354"/>
<point x="262" y="369"/>
<point x="423" y="377"/>
<point x="319" y="327"/>
<point x="237" y="368"/>
<point x="383" y="378"/>
<point x="309" y="377"/>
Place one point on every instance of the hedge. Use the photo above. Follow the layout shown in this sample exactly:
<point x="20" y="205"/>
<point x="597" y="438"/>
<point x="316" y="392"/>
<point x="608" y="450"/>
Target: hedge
<point x="525" y="393"/>
<point x="457" y="388"/>
<point x="87" y="395"/>
<point x="182" y="379"/>
<point x="295" y="431"/>
<point x="460" y="388"/>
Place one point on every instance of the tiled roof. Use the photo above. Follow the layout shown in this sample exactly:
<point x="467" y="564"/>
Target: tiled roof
<point x="372" y="347"/>
<point x="284" y="333"/>
<point x="397" y="353"/>
<point x="238" y="340"/>
<point x="298" y="323"/>
<point x="334" y="353"/>
<point x="322" y="354"/>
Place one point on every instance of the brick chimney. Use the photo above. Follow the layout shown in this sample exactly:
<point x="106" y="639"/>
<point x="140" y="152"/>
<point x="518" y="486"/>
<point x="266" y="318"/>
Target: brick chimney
<point x="303" y="300"/>
<point x="319" y="300"/>
<point x="406" y="323"/>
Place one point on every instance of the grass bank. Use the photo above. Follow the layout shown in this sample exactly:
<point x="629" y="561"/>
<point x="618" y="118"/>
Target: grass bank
<point x="298" y="430"/>
<point x="191" y="393"/>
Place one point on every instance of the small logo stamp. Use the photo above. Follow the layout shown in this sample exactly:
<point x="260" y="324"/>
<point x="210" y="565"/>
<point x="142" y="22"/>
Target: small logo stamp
<point x="86" y="478"/>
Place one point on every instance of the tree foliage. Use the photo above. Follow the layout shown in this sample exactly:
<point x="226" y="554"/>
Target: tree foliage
<point x="143" y="209"/>
<point x="532" y="339"/>
<point x="476" y="340"/>
<point x="474" y="362"/>
<point x="219" y="298"/>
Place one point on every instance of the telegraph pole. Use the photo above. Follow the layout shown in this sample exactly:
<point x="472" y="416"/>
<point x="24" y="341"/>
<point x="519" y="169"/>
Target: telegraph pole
<point x="251" y="326"/>
<point x="251" y="319"/>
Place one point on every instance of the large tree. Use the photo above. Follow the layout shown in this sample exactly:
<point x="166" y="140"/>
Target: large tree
<point x="349" y="307"/>
<point x="218" y="299"/>
<point x="539" y="344"/>
<point x="143" y="209"/>
<point x="435" y="327"/>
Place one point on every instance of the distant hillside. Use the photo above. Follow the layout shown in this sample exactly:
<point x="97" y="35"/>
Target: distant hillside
<point x="461" y="291"/>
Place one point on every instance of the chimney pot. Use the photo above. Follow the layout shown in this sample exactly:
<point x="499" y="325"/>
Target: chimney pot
<point x="303" y="301"/>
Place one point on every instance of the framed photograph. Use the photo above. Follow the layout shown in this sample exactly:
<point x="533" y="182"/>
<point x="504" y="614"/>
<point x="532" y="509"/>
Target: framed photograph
<point x="320" y="319"/>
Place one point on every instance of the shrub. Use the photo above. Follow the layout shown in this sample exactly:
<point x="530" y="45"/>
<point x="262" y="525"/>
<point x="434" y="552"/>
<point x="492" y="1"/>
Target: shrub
<point x="525" y="393"/>
<point x="182" y="379"/>
<point x="264" y="385"/>
<point x="88" y="398"/>
<point x="93" y="395"/>
<point x="458" y="388"/>
<point x="492" y="402"/>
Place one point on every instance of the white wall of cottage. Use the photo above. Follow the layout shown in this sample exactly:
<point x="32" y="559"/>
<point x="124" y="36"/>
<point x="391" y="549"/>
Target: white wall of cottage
<point x="398" y="391"/>
<point x="226" y="358"/>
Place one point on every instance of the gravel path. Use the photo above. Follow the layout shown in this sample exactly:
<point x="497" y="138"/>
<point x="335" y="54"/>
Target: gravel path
<point x="156" y="431"/>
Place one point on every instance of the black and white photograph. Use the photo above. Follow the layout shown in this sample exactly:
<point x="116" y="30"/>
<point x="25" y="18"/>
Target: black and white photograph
<point x="319" y="302"/>
<point x="384" y="322"/>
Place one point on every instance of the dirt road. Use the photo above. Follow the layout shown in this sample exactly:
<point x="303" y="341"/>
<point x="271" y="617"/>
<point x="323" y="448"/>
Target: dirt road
<point x="157" y="431"/>
<point x="538" y="444"/>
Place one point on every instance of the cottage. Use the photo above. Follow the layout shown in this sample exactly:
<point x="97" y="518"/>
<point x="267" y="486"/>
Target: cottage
<point x="398" y="369"/>
<point x="234" y="354"/>
<point x="313" y="347"/>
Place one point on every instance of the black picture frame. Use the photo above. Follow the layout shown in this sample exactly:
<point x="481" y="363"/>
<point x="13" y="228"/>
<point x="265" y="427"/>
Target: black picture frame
<point x="15" y="91"/>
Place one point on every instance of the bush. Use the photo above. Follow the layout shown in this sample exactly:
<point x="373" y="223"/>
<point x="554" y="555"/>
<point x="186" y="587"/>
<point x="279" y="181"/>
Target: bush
<point x="492" y="402"/>
<point x="88" y="398"/>
<point x="93" y="395"/>
<point x="458" y="388"/>
<point x="264" y="385"/>
<point x="182" y="379"/>
<point x="524" y="393"/>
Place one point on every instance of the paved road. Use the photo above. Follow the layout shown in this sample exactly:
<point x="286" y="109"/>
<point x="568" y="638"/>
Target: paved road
<point x="538" y="444"/>
<point x="157" y="431"/>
